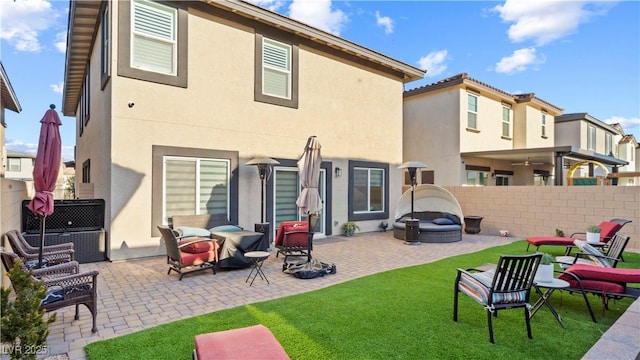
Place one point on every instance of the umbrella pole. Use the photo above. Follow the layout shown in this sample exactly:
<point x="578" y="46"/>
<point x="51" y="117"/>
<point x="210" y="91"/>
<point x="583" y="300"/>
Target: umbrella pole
<point x="313" y="219"/>
<point x="42" y="222"/>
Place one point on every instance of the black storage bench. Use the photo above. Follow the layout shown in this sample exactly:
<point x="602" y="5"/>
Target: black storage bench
<point x="78" y="221"/>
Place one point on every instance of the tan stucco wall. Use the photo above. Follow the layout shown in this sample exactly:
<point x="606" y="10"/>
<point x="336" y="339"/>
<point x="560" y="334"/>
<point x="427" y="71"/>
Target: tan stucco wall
<point x="12" y="194"/>
<point x="355" y="113"/>
<point x="569" y="133"/>
<point x="538" y="210"/>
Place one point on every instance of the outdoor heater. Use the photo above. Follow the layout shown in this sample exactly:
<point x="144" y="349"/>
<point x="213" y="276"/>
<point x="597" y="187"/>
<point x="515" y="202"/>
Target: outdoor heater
<point x="412" y="226"/>
<point x="264" y="171"/>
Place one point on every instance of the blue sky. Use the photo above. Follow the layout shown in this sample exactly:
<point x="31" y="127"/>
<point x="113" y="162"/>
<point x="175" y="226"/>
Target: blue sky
<point x="582" y="56"/>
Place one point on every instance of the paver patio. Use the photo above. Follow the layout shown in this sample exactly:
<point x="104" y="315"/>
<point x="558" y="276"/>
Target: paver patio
<point x="138" y="294"/>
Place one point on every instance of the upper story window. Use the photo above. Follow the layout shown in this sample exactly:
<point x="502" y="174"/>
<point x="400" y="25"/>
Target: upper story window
<point x="543" y="122"/>
<point x="368" y="191"/>
<point x="472" y="111"/>
<point x="105" y="39"/>
<point x="14" y="164"/>
<point x="152" y="42"/>
<point x="154" y="37"/>
<point x="276" y="71"/>
<point x="85" y="102"/>
<point x="506" y="121"/>
<point x="591" y="138"/>
<point x="608" y="144"/>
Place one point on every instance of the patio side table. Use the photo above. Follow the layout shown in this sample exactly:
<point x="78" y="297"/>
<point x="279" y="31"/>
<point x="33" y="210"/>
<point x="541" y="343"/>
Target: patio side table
<point x="544" y="297"/>
<point x="472" y="224"/>
<point x="257" y="258"/>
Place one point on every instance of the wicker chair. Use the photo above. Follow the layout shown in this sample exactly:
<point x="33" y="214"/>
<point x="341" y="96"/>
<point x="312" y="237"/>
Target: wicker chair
<point x="507" y="286"/>
<point x="188" y="255"/>
<point x="67" y="282"/>
<point x="52" y="254"/>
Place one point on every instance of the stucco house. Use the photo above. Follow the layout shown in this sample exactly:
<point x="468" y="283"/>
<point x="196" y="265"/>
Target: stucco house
<point x="485" y="136"/>
<point x="173" y="98"/>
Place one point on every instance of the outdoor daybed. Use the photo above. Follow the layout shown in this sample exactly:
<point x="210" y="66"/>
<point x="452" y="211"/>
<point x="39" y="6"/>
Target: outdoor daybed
<point x="439" y="212"/>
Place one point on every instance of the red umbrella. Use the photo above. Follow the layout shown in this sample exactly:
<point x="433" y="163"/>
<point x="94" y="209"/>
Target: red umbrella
<point x="45" y="170"/>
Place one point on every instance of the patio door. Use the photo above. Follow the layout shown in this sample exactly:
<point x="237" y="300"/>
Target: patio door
<point x="286" y="187"/>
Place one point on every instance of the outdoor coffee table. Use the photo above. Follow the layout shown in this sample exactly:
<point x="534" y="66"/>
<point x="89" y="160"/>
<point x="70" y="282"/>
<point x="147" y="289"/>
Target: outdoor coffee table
<point x="551" y="286"/>
<point x="257" y="258"/>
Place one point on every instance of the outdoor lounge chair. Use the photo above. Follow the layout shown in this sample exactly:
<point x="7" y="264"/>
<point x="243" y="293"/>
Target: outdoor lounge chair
<point x="507" y="286"/>
<point x="592" y="256"/>
<point x="52" y="254"/>
<point x="607" y="230"/>
<point x="66" y="286"/>
<point x="188" y="255"/>
<point x="292" y="239"/>
<point x="607" y="283"/>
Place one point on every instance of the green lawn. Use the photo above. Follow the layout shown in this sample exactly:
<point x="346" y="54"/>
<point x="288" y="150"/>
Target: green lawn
<point x="398" y="314"/>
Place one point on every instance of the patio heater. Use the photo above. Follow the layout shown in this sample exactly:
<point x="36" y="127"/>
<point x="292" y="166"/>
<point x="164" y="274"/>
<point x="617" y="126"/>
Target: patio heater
<point x="264" y="171"/>
<point x="412" y="226"/>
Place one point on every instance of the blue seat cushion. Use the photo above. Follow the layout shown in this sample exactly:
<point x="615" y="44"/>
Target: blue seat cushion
<point x="54" y="293"/>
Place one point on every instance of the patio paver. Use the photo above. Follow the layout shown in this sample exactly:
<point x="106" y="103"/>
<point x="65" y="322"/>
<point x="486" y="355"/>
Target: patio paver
<point x="137" y="294"/>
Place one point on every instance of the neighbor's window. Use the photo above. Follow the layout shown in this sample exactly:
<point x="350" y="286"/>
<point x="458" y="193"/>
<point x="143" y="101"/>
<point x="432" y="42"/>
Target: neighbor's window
<point x="502" y="180"/>
<point x="368" y="190"/>
<point x="14" y="164"/>
<point x="543" y="125"/>
<point x="83" y="115"/>
<point x="608" y="144"/>
<point x="195" y="186"/>
<point x="472" y="111"/>
<point x="591" y="138"/>
<point x="276" y="72"/>
<point x="506" y="121"/>
<point x="477" y="178"/>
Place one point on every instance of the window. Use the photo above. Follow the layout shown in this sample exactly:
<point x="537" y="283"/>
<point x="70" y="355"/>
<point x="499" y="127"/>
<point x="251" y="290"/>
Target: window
<point x="591" y="138"/>
<point x="368" y="191"/>
<point x="189" y="181"/>
<point x="276" y="70"/>
<point x="477" y="175"/>
<point x="86" y="171"/>
<point x="608" y="144"/>
<point x="14" y="164"/>
<point x="152" y="42"/>
<point x="543" y="121"/>
<point x="194" y="186"/>
<point x="472" y="112"/>
<point x="84" y="104"/>
<point x="502" y="180"/>
<point x="105" y="37"/>
<point x="506" y="121"/>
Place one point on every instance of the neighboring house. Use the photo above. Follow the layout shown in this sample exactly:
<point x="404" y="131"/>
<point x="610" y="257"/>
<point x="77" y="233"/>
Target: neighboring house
<point x="173" y="98"/>
<point x="19" y="166"/>
<point x="587" y="132"/>
<point x="8" y="101"/>
<point x="470" y="133"/>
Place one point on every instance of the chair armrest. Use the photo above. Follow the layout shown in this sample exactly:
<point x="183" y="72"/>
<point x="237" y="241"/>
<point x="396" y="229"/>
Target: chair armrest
<point x="81" y="282"/>
<point x="578" y="233"/>
<point x="68" y="268"/>
<point x="197" y="240"/>
<point x="60" y="247"/>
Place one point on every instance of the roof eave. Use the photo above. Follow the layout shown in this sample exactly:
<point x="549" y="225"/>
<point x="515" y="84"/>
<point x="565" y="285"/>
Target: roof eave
<point x="9" y="98"/>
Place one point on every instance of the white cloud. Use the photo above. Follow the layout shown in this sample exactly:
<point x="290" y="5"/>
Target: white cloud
<point x="19" y="146"/>
<point x="318" y="13"/>
<point x="545" y="21"/>
<point x="57" y="88"/>
<point x="22" y="22"/>
<point x="434" y="63"/>
<point x="385" y="22"/>
<point x="519" y="61"/>
<point x="61" y="41"/>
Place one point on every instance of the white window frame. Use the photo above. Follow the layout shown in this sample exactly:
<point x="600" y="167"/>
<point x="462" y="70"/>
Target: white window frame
<point x="197" y="161"/>
<point x="608" y="144"/>
<point x="591" y="137"/>
<point x="477" y="178"/>
<point x="16" y="166"/>
<point x="382" y="195"/>
<point x="171" y="40"/>
<point x="543" y="125"/>
<point x="506" y="123"/>
<point x="472" y="112"/>
<point x="270" y="67"/>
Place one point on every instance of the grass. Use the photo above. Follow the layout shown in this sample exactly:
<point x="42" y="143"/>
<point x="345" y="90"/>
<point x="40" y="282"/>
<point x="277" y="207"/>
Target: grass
<point x="398" y="314"/>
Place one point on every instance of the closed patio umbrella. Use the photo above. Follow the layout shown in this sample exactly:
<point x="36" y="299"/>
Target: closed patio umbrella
<point x="45" y="170"/>
<point x="309" y="200"/>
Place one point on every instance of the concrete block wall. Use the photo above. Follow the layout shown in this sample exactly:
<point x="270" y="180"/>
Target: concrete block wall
<point x="538" y="210"/>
